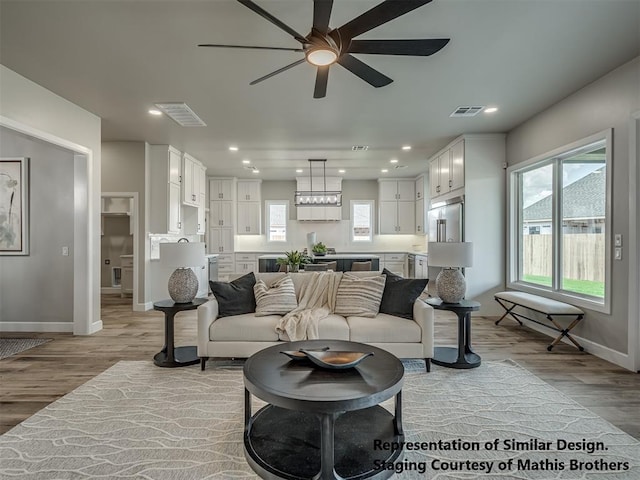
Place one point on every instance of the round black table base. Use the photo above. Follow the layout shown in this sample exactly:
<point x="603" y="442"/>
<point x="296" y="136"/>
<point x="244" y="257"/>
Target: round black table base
<point x="448" y="357"/>
<point x="183" y="356"/>
<point x="285" y="444"/>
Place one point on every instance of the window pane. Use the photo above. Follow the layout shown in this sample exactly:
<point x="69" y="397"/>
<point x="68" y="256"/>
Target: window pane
<point x="583" y="222"/>
<point x="536" y="200"/>
<point x="277" y="222"/>
<point x="362" y="228"/>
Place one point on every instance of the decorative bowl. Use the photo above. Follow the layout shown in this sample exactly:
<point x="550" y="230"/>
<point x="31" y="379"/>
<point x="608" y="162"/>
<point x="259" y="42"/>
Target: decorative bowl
<point x="300" y="355"/>
<point x="319" y="254"/>
<point x="336" y="360"/>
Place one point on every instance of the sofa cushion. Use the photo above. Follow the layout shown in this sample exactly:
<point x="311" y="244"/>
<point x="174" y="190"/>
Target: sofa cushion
<point x="384" y="328"/>
<point x="359" y="295"/>
<point x="332" y="327"/>
<point x="277" y="300"/>
<point x="245" y="328"/>
<point x="236" y="297"/>
<point x="400" y="294"/>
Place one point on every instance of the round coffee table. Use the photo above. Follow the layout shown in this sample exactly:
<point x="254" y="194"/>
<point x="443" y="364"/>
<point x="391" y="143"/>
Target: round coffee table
<point x="319" y="423"/>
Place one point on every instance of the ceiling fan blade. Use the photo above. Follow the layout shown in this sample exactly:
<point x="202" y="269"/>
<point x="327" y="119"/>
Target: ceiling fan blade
<point x="364" y="71"/>
<point x="280" y="70"/>
<point x="419" y="48"/>
<point x="321" y="15"/>
<point x="381" y="13"/>
<point x="264" y="14"/>
<point x="251" y="47"/>
<point x="322" y="77"/>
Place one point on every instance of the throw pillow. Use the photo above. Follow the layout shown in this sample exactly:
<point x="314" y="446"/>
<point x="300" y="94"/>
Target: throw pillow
<point x="280" y="299"/>
<point x="359" y="296"/>
<point x="236" y="297"/>
<point x="400" y="294"/>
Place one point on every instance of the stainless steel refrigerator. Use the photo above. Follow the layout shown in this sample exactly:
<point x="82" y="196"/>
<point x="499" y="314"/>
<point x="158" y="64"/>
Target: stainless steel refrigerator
<point x="445" y="224"/>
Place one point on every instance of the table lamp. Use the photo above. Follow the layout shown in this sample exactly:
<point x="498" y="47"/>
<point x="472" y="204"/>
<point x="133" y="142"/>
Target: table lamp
<point x="183" y="283"/>
<point x="450" y="283"/>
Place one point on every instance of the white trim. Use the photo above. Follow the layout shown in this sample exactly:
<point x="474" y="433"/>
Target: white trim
<point x="85" y="278"/>
<point x="618" y="358"/>
<point x="632" y="243"/>
<point x="142" y="307"/>
<point x="49" y="327"/>
<point x="513" y="244"/>
<point x="372" y="217"/>
<point x="109" y="290"/>
<point x="267" y="222"/>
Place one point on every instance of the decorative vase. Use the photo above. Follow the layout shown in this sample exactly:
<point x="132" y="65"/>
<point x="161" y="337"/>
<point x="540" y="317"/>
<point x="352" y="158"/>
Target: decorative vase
<point x="451" y="285"/>
<point x="294" y="268"/>
<point x="183" y="285"/>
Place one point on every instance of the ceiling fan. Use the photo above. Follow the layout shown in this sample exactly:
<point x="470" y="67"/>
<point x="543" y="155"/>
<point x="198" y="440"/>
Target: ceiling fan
<point x="324" y="46"/>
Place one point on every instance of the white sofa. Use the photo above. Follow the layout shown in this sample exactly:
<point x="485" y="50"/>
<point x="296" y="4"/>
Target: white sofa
<point x="240" y="336"/>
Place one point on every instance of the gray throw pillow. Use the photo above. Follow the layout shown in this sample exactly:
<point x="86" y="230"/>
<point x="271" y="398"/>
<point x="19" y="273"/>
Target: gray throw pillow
<point x="236" y="297"/>
<point x="400" y="294"/>
<point x="280" y="299"/>
<point x="359" y="296"/>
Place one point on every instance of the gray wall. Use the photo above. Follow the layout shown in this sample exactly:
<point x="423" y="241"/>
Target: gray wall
<point x="606" y="103"/>
<point x="123" y="170"/>
<point x="39" y="287"/>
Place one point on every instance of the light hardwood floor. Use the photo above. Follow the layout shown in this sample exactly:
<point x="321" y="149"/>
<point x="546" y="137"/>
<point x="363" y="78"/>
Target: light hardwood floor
<point x="31" y="380"/>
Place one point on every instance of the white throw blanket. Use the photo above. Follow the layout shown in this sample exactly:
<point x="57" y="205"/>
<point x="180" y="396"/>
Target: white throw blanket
<point x="317" y="300"/>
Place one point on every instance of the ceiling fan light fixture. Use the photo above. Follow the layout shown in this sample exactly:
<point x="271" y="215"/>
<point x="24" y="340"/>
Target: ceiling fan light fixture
<point x="321" y="56"/>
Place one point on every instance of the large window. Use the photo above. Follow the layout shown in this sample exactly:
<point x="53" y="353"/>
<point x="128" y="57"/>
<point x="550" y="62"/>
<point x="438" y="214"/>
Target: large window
<point x="559" y="216"/>
<point x="361" y="221"/>
<point x="277" y="216"/>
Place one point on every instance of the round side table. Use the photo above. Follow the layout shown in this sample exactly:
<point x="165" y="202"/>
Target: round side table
<point x="170" y="355"/>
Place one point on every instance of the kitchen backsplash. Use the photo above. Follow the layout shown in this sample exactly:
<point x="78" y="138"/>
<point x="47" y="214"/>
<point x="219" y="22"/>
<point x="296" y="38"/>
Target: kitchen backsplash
<point x="332" y="234"/>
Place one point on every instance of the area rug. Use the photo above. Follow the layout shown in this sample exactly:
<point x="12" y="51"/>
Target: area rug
<point x="139" y="421"/>
<point x="11" y="346"/>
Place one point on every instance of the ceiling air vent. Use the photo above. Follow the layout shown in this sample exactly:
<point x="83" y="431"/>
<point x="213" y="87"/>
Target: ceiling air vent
<point x="467" y="111"/>
<point x="181" y="114"/>
<point x="360" y="148"/>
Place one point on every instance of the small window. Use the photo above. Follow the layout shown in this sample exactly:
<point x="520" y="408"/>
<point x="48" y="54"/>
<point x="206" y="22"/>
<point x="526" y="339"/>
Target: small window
<point x="361" y="220"/>
<point x="277" y="216"/>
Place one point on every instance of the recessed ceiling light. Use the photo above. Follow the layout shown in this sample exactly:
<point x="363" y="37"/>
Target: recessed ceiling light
<point x="299" y="170"/>
<point x="393" y="160"/>
<point x="341" y="171"/>
<point x="384" y="170"/>
<point x="256" y="171"/>
<point x="246" y="162"/>
<point x="233" y="149"/>
<point x="406" y="147"/>
<point x="153" y="111"/>
<point x="490" y="109"/>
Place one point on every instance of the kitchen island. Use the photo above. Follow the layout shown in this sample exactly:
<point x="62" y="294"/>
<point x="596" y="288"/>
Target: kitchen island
<point x="269" y="263"/>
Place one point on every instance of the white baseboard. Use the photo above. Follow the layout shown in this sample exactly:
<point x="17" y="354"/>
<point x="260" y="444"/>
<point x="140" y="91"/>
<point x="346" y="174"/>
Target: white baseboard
<point x="606" y="353"/>
<point x="52" y="327"/>
<point x="95" y="327"/>
<point x="142" y="307"/>
<point x="104" y="290"/>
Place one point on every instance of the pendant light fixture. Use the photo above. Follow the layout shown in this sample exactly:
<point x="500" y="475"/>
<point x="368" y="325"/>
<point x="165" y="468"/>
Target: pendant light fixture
<point x="316" y="197"/>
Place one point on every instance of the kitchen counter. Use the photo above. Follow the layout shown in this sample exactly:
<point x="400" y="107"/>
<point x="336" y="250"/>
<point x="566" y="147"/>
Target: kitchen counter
<point x="335" y="256"/>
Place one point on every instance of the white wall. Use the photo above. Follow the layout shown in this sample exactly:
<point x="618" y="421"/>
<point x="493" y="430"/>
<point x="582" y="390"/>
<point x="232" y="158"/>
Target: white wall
<point x="30" y="108"/>
<point x="606" y="103"/>
<point x="333" y="234"/>
<point x="38" y="288"/>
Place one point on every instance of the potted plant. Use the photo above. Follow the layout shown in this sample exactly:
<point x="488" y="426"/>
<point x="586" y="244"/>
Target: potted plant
<point x="319" y="249"/>
<point x="293" y="260"/>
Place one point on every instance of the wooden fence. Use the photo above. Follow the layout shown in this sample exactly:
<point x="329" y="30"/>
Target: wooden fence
<point x="583" y="256"/>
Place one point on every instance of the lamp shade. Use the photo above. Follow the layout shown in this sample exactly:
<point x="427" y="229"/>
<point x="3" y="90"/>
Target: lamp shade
<point x="182" y="254"/>
<point x="450" y="254"/>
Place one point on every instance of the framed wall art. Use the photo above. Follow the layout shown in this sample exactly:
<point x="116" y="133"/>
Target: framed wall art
<point x="14" y="206"/>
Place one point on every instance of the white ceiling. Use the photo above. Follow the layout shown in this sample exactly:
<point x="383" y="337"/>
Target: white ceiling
<point x="117" y="58"/>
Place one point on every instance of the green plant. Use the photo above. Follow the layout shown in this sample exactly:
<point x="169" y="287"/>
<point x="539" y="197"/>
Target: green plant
<point x="319" y="248"/>
<point x="293" y="257"/>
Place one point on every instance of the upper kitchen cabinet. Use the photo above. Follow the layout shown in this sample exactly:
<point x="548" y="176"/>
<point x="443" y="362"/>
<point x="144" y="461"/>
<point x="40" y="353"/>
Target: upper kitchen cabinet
<point x="164" y="188"/>
<point x="446" y="170"/>
<point x="193" y="181"/>
<point x="421" y="205"/>
<point x="221" y="189"/>
<point x="319" y="213"/>
<point x="396" y="206"/>
<point x="249" y="207"/>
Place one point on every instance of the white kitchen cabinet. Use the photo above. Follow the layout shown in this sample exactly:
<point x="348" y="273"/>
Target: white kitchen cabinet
<point x="419" y="188"/>
<point x="421" y="267"/>
<point x="249" y="190"/>
<point x="221" y="189"/>
<point x="220" y="240"/>
<point x="126" y="280"/>
<point x="395" y="189"/>
<point x="193" y="181"/>
<point x="397" y="218"/>
<point x="248" y="221"/>
<point x="165" y="189"/>
<point x="420" y="217"/>
<point x="220" y="214"/>
<point x="246" y="263"/>
<point x="446" y="170"/>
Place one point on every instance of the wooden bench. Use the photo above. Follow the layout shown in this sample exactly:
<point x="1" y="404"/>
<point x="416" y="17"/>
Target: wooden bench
<point x="546" y="306"/>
